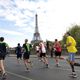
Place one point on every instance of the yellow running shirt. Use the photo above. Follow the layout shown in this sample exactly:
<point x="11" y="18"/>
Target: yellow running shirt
<point x="72" y="47"/>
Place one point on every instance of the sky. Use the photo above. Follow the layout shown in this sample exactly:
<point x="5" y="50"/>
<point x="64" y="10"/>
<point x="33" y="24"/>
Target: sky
<point x="55" y="17"/>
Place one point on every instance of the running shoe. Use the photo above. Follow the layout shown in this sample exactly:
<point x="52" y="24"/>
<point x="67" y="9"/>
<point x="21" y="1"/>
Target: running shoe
<point x="4" y="75"/>
<point x="27" y="69"/>
<point x="73" y="74"/>
<point x="47" y="66"/>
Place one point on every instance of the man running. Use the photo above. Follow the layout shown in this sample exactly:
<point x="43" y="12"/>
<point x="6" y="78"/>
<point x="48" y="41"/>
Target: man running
<point x="26" y="56"/>
<point x="18" y="51"/>
<point x="71" y="48"/>
<point x="3" y="47"/>
<point x="43" y="53"/>
<point x="38" y="51"/>
<point x="58" y="50"/>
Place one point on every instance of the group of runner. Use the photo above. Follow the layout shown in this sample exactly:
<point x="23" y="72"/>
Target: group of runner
<point x="41" y="52"/>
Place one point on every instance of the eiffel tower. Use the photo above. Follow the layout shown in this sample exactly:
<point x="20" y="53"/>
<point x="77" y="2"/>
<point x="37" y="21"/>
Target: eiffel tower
<point x="36" y="35"/>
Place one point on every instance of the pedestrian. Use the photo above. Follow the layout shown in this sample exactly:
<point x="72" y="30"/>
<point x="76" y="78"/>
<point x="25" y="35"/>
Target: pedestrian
<point x="58" y="49"/>
<point x="18" y="51"/>
<point x="71" y="48"/>
<point x="3" y="47"/>
<point x="26" y="55"/>
<point x="43" y="53"/>
<point x="51" y="51"/>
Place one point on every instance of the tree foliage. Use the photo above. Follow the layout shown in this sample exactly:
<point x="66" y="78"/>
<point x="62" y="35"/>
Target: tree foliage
<point x="75" y="32"/>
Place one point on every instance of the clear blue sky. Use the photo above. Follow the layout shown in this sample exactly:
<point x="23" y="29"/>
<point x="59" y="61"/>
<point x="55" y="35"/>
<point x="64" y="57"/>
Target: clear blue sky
<point x="17" y="19"/>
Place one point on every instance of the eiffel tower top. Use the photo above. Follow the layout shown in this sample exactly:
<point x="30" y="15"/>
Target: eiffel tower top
<point x="36" y="24"/>
<point x="36" y="35"/>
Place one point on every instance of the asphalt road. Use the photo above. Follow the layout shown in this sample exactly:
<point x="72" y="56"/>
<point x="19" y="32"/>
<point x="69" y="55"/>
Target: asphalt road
<point x="17" y="71"/>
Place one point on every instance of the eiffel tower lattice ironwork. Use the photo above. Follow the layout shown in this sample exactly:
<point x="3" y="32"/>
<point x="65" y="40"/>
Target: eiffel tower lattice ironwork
<point x="36" y="36"/>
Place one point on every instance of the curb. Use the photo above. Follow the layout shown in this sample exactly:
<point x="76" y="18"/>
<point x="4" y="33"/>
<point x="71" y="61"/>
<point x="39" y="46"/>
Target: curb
<point x="34" y="56"/>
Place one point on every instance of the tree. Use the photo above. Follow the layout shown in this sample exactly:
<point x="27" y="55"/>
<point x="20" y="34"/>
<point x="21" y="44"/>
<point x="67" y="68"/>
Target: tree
<point x="75" y="32"/>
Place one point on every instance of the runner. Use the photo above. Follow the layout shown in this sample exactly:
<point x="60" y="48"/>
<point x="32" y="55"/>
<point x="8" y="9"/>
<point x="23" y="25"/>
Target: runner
<point x="58" y="50"/>
<point x="51" y="51"/>
<point x="38" y="52"/>
<point x="43" y="53"/>
<point x="18" y="51"/>
<point x="71" y="48"/>
<point x="26" y="56"/>
<point x="3" y="47"/>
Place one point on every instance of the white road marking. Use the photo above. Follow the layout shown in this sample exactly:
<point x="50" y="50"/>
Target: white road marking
<point x="20" y="76"/>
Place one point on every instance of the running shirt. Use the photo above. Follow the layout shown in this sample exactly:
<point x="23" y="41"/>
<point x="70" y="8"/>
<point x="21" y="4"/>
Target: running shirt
<point x="43" y="49"/>
<point x="37" y="48"/>
<point x="72" y="47"/>
<point x="3" y="46"/>
<point x="18" y="50"/>
<point x="27" y="47"/>
<point x="57" y="47"/>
